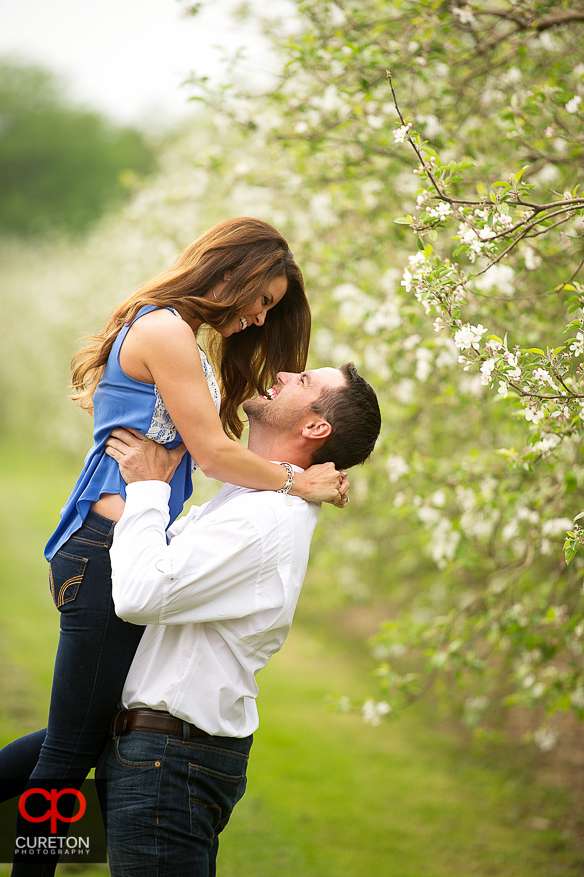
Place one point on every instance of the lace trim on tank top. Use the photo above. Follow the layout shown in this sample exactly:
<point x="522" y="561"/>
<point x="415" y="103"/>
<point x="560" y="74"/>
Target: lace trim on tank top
<point x="162" y="429"/>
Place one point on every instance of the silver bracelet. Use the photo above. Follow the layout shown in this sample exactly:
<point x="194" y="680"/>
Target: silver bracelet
<point x="290" y="481"/>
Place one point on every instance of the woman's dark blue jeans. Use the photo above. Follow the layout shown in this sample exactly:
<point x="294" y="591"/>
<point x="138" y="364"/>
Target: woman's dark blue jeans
<point x="93" y="658"/>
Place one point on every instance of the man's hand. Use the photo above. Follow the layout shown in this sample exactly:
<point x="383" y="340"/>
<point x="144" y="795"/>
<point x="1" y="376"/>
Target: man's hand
<point x="141" y="459"/>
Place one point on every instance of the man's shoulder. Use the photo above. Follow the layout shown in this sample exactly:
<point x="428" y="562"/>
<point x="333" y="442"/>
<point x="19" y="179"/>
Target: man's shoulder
<point x="266" y="509"/>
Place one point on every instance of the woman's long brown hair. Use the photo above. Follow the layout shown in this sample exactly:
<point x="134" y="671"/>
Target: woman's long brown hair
<point x="252" y="253"/>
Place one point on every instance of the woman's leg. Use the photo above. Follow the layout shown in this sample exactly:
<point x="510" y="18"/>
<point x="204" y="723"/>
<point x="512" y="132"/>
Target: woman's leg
<point x="17" y="762"/>
<point x="93" y="657"/>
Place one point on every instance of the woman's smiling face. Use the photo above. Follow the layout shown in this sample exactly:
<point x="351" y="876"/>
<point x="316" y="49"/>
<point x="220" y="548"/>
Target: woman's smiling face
<point x="255" y="313"/>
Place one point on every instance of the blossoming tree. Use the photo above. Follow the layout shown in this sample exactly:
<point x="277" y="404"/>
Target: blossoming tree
<point x="429" y="163"/>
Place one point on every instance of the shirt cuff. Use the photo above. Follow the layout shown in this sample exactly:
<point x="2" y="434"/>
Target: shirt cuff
<point x="142" y="495"/>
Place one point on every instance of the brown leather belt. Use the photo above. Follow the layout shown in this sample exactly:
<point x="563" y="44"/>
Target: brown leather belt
<point x="153" y="720"/>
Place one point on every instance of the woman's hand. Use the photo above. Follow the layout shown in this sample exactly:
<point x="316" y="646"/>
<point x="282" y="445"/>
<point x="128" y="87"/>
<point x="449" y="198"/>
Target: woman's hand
<point x="322" y="483"/>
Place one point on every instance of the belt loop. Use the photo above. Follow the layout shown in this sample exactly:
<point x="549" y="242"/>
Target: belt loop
<point x="110" y="536"/>
<point x="186" y="732"/>
<point x="119" y="722"/>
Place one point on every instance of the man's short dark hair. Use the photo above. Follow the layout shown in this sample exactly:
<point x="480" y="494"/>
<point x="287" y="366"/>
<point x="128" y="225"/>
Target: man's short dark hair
<point x="353" y="414"/>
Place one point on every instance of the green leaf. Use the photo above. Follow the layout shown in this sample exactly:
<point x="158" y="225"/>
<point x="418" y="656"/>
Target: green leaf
<point x="581" y="515"/>
<point x="535" y="350"/>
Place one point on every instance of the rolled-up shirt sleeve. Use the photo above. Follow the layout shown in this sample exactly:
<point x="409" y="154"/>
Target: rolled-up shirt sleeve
<point x="206" y="573"/>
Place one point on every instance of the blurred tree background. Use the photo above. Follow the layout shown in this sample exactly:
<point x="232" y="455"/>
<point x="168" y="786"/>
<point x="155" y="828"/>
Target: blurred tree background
<point x="439" y="227"/>
<point x="61" y="166"/>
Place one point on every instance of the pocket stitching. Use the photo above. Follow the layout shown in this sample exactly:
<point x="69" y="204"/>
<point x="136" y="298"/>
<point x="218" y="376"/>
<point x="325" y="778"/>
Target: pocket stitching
<point x="71" y="583"/>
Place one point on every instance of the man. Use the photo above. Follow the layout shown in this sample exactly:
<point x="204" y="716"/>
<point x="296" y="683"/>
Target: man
<point x="218" y="599"/>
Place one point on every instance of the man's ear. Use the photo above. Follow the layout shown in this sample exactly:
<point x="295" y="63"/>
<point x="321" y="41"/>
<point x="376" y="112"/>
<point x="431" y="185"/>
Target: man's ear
<point x="316" y="429"/>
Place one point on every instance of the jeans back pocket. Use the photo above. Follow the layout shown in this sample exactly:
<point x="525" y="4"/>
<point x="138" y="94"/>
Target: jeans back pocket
<point x="66" y="573"/>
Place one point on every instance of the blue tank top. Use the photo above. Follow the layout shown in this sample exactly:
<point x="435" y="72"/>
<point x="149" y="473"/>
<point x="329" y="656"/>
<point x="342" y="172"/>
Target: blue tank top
<point x="120" y="400"/>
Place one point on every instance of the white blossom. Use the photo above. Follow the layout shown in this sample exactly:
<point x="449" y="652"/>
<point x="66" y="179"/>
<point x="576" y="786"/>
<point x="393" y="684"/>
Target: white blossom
<point x="373" y="712"/>
<point x="439" y="324"/>
<point x="405" y="390"/>
<point x="510" y="531"/>
<point x="396" y="467"/>
<point x="399" y="499"/>
<point x="464" y="15"/>
<point x="429" y="516"/>
<point x="438" y="499"/>
<point x="418" y="260"/>
<point x="498" y="276"/>
<point x="546" y="738"/>
<point x="423" y="363"/>
<point x="522" y="513"/>
<point x="444" y="543"/>
<point x="532" y="415"/>
<point x="503" y="390"/>
<point x="386" y="316"/>
<point x="486" y="370"/>
<point x="532" y="259"/>
<point x="446" y="354"/>
<point x="541" y="376"/>
<point x="573" y="104"/>
<point x="440" y="211"/>
<point x="401" y="133"/>
<point x="375" y="122"/>
<point x="577" y="347"/>
<point x="411" y="341"/>
<point x="474" y="704"/>
<point x="469" y="336"/>
<point x="556" y="526"/>
<point x="546" y="445"/>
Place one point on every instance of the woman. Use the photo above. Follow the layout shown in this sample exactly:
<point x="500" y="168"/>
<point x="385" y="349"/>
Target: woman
<point x="146" y="371"/>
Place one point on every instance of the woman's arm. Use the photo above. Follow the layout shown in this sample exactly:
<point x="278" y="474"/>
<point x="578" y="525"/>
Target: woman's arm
<point x="163" y="350"/>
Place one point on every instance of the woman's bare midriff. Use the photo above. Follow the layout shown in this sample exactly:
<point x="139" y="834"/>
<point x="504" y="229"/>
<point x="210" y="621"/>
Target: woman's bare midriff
<point x="110" y="505"/>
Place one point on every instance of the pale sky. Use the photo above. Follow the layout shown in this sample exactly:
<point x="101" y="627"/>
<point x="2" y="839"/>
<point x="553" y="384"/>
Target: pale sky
<point x="125" y="57"/>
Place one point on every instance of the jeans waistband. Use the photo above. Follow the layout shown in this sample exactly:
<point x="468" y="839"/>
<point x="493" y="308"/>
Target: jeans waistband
<point x="98" y="523"/>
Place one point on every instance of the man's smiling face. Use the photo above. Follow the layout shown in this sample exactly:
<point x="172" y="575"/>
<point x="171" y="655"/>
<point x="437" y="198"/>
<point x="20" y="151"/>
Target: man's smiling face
<point x="292" y="396"/>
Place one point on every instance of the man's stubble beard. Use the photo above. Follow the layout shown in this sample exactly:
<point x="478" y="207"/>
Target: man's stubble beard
<point x="278" y="418"/>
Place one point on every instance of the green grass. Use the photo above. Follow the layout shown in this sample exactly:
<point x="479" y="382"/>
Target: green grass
<point x="328" y="796"/>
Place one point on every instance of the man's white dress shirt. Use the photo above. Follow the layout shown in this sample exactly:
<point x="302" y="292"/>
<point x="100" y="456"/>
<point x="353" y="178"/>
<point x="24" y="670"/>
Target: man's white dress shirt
<point x="218" y="598"/>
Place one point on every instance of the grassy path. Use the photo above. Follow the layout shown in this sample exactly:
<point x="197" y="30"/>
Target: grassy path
<point x="331" y="797"/>
<point x="328" y="796"/>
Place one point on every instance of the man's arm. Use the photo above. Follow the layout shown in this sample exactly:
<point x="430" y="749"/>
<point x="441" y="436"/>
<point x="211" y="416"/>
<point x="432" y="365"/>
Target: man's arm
<point x="207" y="573"/>
<point x="209" y="570"/>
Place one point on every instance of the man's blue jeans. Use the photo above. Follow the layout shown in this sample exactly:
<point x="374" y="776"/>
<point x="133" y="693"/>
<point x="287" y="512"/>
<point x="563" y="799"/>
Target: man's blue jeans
<point x="167" y="798"/>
